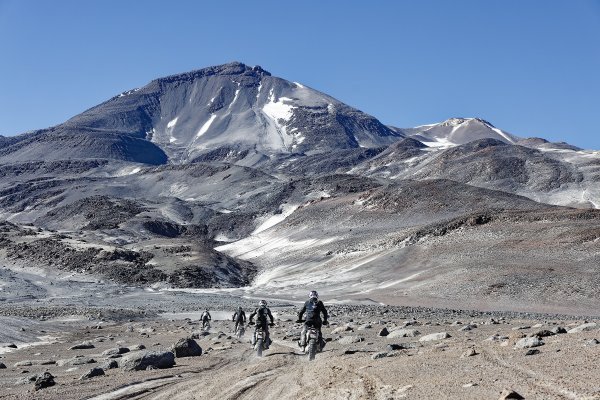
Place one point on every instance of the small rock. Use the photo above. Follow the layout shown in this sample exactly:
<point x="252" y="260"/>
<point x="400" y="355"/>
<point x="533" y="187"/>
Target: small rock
<point x="10" y="346"/>
<point x="592" y="342"/>
<point x="558" y="330"/>
<point x="392" y="347"/>
<point x="383" y="332"/>
<point x="111" y="364"/>
<point x="44" y="380"/>
<point x="543" y="333"/>
<point x="468" y="327"/>
<point x="510" y="394"/>
<point x="497" y="338"/>
<point x="350" y="339"/>
<point x="137" y="347"/>
<point x="532" y="352"/>
<point x="520" y="328"/>
<point x="82" y="346"/>
<point x="469" y="353"/>
<point x="403" y="333"/>
<point x="92" y="373"/>
<point x="379" y="355"/>
<point x="115" y="351"/>
<point x="526" y="343"/>
<point x="24" y="363"/>
<point x="584" y="327"/>
<point x="2" y="366"/>
<point x="75" y="361"/>
<point x="435" y="336"/>
<point x="471" y="384"/>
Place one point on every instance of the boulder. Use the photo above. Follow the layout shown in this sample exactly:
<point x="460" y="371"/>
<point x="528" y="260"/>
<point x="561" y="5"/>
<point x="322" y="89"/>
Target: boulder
<point x="141" y="360"/>
<point x="435" y="336"/>
<point x="96" y="371"/>
<point x="584" y="327"/>
<point x="383" y="332"/>
<point x="529" y="342"/>
<point x="44" y="380"/>
<point x="2" y="366"/>
<point x="403" y="333"/>
<point x="186" y="347"/>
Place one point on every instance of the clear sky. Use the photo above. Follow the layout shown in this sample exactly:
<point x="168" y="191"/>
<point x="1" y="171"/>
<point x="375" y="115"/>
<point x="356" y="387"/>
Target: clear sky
<point x="531" y="68"/>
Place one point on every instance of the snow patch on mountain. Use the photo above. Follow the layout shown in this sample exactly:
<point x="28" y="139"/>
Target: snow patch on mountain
<point x="286" y="211"/>
<point x="206" y="125"/>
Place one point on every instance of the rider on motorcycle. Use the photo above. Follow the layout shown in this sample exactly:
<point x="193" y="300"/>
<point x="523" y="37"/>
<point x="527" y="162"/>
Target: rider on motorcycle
<point x="205" y="317"/>
<point x="262" y="312"/>
<point x="313" y="308"/>
<point x="239" y="317"/>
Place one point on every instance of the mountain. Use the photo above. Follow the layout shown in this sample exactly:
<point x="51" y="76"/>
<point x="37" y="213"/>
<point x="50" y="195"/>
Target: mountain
<point x="213" y="112"/>
<point x="457" y="131"/>
<point x="230" y="177"/>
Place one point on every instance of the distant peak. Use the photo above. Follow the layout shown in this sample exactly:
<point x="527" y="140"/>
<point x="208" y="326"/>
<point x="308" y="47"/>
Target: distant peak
<point x="232" y="68"/>
<point x="456" y="121"/>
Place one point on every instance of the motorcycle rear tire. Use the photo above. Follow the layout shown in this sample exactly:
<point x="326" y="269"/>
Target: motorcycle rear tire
<point x="259" y="347"/>
<point x="312" y="349"/>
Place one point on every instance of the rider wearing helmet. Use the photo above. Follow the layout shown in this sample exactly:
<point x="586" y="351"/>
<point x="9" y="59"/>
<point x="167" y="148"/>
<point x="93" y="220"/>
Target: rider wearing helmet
<point x="239" y="317"/>
<point x="262" y="313"/>
<point x="313" y="308"/>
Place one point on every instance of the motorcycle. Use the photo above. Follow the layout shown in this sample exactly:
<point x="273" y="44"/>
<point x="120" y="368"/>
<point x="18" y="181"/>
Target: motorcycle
<point x="239" y="331"/>
<point x="206" y="326"/>
<point x="312" y="342"/>
<point x="259" y="339"/>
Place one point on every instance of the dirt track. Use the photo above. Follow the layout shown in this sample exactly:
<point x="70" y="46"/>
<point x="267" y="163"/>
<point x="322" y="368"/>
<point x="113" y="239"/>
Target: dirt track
<point x="565" y="368"/>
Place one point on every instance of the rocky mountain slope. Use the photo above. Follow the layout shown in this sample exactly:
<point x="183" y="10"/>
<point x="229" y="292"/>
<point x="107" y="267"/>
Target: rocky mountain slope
<point x="228" y="176"/>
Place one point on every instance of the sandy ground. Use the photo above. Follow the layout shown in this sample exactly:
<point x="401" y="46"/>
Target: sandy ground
<point x="566" y="367"/>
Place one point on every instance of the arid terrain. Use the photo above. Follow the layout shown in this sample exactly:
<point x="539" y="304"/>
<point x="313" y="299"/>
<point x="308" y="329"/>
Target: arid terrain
<point x="475" y="356"/>
<point x="225" y="185"/>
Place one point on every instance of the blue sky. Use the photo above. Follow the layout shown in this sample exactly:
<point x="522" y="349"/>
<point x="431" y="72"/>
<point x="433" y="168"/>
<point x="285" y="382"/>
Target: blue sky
<point x="531" y="67"/>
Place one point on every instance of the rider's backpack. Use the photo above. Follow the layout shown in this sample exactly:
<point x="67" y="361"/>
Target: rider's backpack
<point x="262" y="314"/>
<point x="311" y="310"/>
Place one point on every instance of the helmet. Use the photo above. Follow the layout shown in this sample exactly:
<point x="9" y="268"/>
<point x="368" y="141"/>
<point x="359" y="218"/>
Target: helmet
<point x="263" y="303"/>
<point x="313" y="295"/>
<point x="240" y="308"/>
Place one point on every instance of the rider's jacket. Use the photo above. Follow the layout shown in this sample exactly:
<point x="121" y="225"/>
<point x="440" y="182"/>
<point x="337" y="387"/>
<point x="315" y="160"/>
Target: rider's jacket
<point x="313" y="309"/>
<point x="262" y="313"/>
<point x="205" y="316"/>
<point x="239" y="316"/>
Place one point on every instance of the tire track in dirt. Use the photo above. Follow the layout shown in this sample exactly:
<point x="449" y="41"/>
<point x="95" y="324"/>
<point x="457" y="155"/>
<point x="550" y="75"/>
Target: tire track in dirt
<point x="541" y="382"/>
